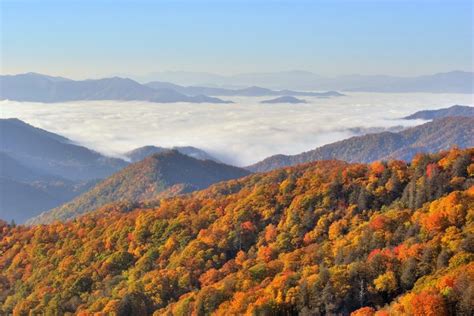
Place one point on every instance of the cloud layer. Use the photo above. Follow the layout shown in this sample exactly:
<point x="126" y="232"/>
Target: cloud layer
<point x="240" y="133"/>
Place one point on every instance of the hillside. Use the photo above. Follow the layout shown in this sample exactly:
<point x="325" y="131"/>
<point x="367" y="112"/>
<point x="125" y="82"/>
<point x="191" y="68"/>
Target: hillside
<point x="321" y="238"/>
<point x="40" y="88"/>
<point x="430" y="137"/>
<point x="455" y="110"/>
<point x="49" y="153"/>
<point x="166" y="174"/>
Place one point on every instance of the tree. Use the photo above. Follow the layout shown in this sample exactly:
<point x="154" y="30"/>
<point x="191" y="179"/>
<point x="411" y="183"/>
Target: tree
<point x="386" y="282"/>
<point x="134" y="304"/>
<point x="460" y="165"/>
<point x="362" y="200"/>
<point x="428" y="304"/>
<point x="364" y="311"/>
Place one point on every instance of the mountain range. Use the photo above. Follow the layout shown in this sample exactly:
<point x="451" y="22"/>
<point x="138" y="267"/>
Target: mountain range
<point x="35" y="87"/>
<point x="160" y="175"/>
<point x="40" y="88"/>
<point x="447" y="82"/>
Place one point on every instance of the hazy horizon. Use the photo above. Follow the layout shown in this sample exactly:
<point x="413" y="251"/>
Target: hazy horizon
<point x="138" y="76"/>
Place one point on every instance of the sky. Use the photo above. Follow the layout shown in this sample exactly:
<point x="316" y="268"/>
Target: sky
<point x="96" y="38"/>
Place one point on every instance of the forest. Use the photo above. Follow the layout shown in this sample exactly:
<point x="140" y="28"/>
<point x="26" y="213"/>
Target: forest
<point x="322" y="238"/>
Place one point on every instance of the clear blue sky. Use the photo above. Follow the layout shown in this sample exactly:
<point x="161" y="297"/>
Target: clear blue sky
<point x="96" y="38"/>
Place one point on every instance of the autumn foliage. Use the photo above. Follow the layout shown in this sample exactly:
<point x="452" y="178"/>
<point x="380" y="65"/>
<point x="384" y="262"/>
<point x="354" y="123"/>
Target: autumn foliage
<point x="328" y="237"/>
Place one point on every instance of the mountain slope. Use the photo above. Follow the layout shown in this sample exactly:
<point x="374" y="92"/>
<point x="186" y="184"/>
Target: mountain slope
<point x="52" y="154"/>
<point x="10" y="168"/>
<point x="41" y="88"/>
<point x="325" y="238"/>
<point x="145" y="151"/>
<point x="455" y="110"/>
<point x="166" y="174"/>
<point x="430" y="137"/>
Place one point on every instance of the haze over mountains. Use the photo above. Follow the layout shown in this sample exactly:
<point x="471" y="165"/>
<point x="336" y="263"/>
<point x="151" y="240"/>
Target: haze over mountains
<point x="448" y="82"/>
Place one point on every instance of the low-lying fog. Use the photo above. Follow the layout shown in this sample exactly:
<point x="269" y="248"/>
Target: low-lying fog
<point x="241" y="133"/>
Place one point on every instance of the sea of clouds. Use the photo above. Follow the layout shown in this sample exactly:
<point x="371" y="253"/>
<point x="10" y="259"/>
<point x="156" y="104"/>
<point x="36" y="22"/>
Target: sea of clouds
<point x="241" y="133"/>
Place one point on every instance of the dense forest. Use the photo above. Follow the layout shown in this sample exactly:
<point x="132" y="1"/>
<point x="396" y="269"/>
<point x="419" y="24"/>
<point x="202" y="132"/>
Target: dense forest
<point x="386" y="238"/>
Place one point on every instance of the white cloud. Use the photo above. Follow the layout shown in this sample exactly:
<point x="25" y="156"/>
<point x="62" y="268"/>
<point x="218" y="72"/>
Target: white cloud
<point x="240" y="133"/>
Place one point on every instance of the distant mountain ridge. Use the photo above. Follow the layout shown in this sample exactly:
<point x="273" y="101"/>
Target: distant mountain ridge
<point x="252" y="91"/>
<point x="446" y="82"/>
<point x="455" y="110"/>
<point x="166" y="174"/>
<point x="41" y="88"/>
<point x="430" y="137"/>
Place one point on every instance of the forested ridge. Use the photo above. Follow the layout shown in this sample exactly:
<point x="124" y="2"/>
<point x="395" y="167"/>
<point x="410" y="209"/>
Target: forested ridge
<point x="430" y="137"/>
<point x="386" y="238"/>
